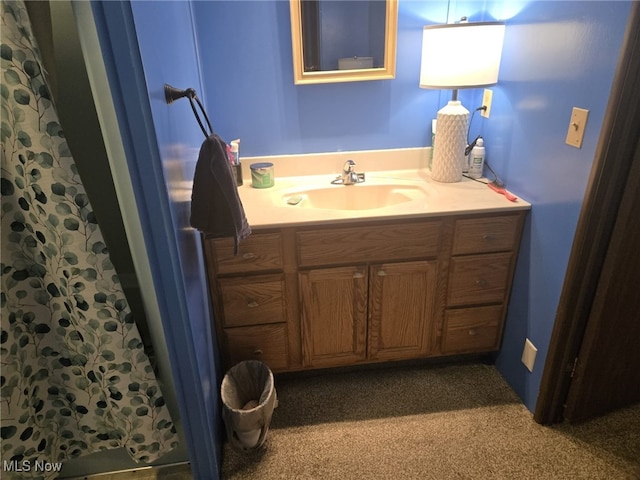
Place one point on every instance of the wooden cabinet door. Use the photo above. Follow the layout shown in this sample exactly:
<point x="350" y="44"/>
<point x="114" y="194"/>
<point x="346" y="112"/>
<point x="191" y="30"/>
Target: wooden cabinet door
<point x="401" y="308"/>
<point x="334" y="315"/>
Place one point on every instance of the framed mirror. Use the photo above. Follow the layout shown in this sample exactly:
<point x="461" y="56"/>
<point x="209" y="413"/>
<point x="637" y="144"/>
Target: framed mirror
<point x="343" y="41"/>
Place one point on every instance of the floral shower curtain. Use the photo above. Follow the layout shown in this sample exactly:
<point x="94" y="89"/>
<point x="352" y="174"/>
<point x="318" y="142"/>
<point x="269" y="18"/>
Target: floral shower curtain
<point x="74" y="376"/>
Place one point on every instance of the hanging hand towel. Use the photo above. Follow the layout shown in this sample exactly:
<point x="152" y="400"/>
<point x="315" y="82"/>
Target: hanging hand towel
<point x="216" y="209"/>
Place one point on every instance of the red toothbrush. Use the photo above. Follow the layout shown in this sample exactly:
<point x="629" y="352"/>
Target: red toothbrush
<point x="498" y="186"/>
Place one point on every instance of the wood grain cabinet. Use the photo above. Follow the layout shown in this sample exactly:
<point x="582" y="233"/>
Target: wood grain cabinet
<point x="324" y="296"/>
<point x="367" y="311"/>
<point x="480" y="272"/>
<point x="249" y="297"/>
<point x="359" y="313"/>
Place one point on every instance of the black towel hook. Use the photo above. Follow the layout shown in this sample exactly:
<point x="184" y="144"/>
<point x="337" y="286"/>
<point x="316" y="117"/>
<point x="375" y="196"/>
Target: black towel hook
<point x="172" y="93"/>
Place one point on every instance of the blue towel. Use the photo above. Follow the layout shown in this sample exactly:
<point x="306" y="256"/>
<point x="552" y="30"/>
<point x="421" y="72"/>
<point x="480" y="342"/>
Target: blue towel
<point x="216" y="209"/>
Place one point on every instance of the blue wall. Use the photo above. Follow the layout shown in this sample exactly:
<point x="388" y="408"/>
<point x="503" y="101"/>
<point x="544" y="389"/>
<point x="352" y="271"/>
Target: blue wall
<point x="145" y="45"/>
<point x="557" y="55"/>
<point x="247" y="65"/>
<point x="170" y="55"/>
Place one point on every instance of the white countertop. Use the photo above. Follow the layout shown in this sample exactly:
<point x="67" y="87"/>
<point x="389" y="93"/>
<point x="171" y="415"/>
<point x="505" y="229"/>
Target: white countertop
<point x="268" y="207"/>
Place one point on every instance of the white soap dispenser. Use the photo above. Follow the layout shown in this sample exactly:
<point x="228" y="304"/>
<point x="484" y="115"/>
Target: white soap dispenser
<point x="476" y="159"/>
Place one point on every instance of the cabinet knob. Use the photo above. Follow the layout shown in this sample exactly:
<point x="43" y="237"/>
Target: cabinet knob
<point x="358" y="275"/>
<point x="481" y="282"/>
<point x="252" y="304"/>
<point x="257" y="352"/>
<point x="382" y="273"/>
<point x="488" y="237"/>
<point x="473" y="332"/>
<point x="248" y="255"/>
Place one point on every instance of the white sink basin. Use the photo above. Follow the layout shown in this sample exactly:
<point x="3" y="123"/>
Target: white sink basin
<point x="361" y="196"/>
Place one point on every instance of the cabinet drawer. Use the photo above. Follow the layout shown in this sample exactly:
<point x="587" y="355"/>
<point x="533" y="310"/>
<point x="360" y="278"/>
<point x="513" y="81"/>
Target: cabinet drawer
<point x="259" y="252"/>
<point x="479" y="279"/>
<point x="266" y="343"/>
<point x="253" y="301"/>
<point x="363" y="244"/>
<point x="472" y="329"/>
<point x="483" y="235"/>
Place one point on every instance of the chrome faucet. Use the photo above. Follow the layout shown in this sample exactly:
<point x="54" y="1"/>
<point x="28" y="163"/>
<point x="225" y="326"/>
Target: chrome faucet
<point x="349" y="175"/>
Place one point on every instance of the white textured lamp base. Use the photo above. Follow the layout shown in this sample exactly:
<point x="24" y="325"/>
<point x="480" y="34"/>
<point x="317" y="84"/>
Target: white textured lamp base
<point x="450" y="142"/>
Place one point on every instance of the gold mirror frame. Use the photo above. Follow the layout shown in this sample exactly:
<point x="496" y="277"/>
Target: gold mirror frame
<point x="300" y="77"/>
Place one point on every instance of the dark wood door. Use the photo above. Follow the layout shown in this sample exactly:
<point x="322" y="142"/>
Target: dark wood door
<point x="607" y="372"/>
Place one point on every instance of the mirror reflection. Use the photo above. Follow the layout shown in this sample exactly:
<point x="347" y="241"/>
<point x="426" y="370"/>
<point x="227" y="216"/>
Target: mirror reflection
<point x="341" y="41"/>
<point x="343" y="35"/>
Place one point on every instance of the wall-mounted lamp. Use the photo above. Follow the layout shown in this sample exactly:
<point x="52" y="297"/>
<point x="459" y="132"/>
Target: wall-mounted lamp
<point x="454" y="56"/>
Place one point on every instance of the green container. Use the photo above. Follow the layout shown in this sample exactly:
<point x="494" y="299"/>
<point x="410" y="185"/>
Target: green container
<point x="262" y="175"/>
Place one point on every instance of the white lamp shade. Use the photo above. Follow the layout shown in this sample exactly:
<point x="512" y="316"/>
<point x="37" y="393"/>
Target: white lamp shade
<point x="461" y="55"/>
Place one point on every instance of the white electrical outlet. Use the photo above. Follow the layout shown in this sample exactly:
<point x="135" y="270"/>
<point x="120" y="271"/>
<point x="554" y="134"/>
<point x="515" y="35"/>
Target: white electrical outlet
<point x="529" y="354"/>
<point x="487" y="97"/>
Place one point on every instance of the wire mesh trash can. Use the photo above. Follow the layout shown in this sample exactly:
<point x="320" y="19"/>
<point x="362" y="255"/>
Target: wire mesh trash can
<point x="248" y="399"/>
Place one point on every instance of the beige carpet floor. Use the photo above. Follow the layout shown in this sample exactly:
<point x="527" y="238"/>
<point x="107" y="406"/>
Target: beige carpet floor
<point x="429" y="422"/>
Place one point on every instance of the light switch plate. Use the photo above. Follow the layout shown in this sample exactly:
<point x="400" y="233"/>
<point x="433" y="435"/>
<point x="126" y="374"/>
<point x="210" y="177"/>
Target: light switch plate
<point x="529" y="355"/>
<point x="577" y="125"/>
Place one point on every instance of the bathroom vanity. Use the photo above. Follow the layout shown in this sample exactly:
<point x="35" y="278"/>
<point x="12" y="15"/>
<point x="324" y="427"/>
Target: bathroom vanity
<point x="315" y="289"/>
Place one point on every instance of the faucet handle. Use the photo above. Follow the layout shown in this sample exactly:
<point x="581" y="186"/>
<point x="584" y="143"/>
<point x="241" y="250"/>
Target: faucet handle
<point x="349" y="166"/>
